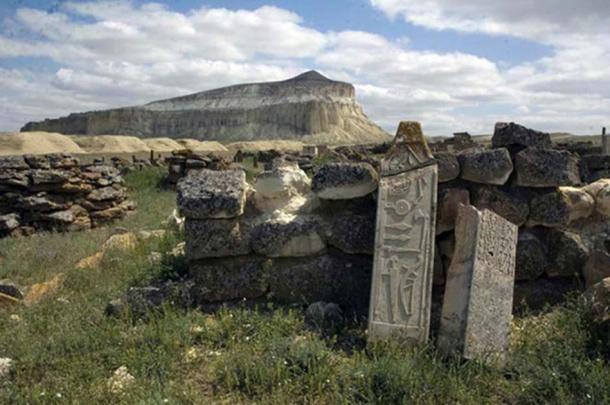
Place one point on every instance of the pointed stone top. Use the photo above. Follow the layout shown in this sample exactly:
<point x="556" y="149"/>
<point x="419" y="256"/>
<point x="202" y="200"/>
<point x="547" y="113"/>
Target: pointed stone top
<point x="408" y="151"/>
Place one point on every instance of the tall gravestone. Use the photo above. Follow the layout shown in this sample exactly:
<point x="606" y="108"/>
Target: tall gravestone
<point x="477" y="306"/>
<point x="404" y="239"/>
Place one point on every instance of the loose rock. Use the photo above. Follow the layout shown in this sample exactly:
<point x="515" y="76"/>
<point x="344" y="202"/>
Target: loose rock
<point x="338" y="181"/>
<point x="488" y="166"/>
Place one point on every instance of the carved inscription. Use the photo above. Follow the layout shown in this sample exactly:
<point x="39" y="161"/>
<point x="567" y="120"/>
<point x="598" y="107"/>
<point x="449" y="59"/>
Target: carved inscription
<point x="401" y="288"/>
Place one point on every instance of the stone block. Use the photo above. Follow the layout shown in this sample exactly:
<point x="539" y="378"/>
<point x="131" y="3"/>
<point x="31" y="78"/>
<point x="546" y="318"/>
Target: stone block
<point x="448" y="166"/>
<point x="536" y="167"/>
<point x="353" y="234"/>
<point x="13" y="163"/>
<point x="567" y="254"/>
<point x="509" y="206"/>
<point x="477" y="304"/>
<point x="207" y="238"/>
<point x="289" y="235"/>
<point x="449" y="200"/>
<point x="204" y="194"/>
<point x="492" y="166"/>
<point x="531" y="261"/>
<point x="597" y="267"/>
<point x="560" y="207"/>
<point x="515" y="135"/>
<point x="340" y="181"/>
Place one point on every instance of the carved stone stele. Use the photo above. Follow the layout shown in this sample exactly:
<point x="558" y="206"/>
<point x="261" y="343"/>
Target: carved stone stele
<point x="477" y="306"/>
<point x="404" y="239"/>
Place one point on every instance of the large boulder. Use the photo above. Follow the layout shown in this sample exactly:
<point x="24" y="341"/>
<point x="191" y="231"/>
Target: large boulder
<point x="288" y="235"/>
<point x="567" y="254"/>
<point x="14" y="162"/>
<point x="286" y="187"/>
<point x="229" y="279"/>
<point x="515" y="135"/>
<point x="600" y="191"/>
<point x="597" y="267"/>
<point x="560" y="207"/>
<point x="448" y="166"/>
<point x="537" y="167"/>
<point x="449" y="200"/>
<point x="340" y="181"/>
<point x="206" y="238"/>
<point x="353" y="234"/>
<point x="509" y="206"/>
<point x="486" y="166"/>
<point x="206" y="194"/>
<point x="531" y="261"/>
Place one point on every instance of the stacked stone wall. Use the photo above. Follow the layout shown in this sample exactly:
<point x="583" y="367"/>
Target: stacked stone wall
<point x="54" y="192"/>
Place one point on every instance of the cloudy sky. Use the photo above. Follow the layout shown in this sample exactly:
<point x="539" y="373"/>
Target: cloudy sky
<point x="453" y="65"/>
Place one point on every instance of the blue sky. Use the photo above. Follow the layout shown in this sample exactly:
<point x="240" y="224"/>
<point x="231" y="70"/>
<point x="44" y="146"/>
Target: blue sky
<point x="451" y="66"/>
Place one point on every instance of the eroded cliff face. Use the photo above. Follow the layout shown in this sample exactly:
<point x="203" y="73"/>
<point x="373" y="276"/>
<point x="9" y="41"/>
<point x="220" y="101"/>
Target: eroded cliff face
<point x="308" y="107"/>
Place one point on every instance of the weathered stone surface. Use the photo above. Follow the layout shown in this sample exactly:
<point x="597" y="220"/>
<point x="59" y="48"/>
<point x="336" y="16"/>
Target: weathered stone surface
<point x="448" y="166"/>
<point x="14" y="178"/>
<point x="509" y="206"/>
<point x="206" y="194"/>
<point x="404" y="243"/>
<point x="602" y="200"/>
<point x="9" y="222"/>
<point x="37" y="161"/>
<point x="287" y="188"/>
<point x="108" y="214"/>
<point x="353" y="234"/>
<point x="62" y="161"/>
<point x="307" y="107"/>
<point x="325" y="316"/>
<point x="478" y="298"/>
<point x="344" y="279"/>
<point x="13" y="162"/>
<point x="43" y="177"/>
<point x="536" y="167"/>
<point x="486" y="166"/>
<point x="560" y="207"/>
<point x="449" y="200"/>
<point x="43" y="202"/>
<point x="289" y="236"/>
<point x="512" y="134"/>
<point x="207" y="238"/>
<point x="106" y="193"/>
<point x="597" y="267"/>
<point x="229" y="279"/>
<point x="567" y="254"/>
<point x="408" y="151"/>
<point x="536" y="294"/>
<point x="531" y="261"/>
<point x="339" y="181"/>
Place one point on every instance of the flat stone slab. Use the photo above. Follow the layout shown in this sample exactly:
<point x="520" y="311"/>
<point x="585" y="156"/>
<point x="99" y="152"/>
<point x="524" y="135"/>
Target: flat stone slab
<point x="511" y="134"/>
<point x="340" y="181"/>
<point x="207" y="238"/>
<point x="492" y="166"/>
<point x="204" y="194"/>
<point x="478" y="300"/>
<point x="536" y="167"/>
<point x="403" y="262"/>
<point x="289" y="236"/>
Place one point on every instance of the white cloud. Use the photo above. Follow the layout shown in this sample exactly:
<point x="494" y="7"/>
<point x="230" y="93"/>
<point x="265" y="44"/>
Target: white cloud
<point x="114" y="53"/>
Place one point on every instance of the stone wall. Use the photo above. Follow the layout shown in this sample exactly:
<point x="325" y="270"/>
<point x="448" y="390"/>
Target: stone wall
<point x="54" y="192"/>
<point x="293" y="239"/>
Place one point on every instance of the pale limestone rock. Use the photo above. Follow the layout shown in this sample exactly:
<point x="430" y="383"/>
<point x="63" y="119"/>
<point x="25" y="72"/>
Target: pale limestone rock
<point x="289" y="235"/>
<point x="560" y="207"/>
<point x="477" y="305"/>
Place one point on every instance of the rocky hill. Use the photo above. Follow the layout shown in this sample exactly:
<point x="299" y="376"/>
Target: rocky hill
<point x="308" y="107"/>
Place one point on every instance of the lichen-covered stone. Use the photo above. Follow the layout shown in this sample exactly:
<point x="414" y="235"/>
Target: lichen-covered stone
<point x="288" y="235"/>
<point x="597" y="267"/>
<point x="560" y="207"/>
<point x="509" y="206"/>
<point x="339" y="181"/>
<point x="448" y="166"/>
<point x="212" y="194"/>
<point x="229" y="279"/>
<point x="353" y="234"/>
<point x="511" y="134"/>
<point x="106" y="193"/>
<point x="567" y="254"/>
<point x="13" y="162"/>
<point x="486" y="166"/>
<point x="207" y="238"/>
<point x="531" y="259"/>
<point x="536" y="167"/>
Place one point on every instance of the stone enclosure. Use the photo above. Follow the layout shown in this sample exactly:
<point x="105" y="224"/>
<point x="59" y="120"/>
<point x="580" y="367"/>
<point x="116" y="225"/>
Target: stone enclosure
<point x="290" y="238"/>
<point x="54" y="192"/>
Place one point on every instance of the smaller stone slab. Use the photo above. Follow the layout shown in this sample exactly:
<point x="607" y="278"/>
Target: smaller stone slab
<point x="204" y="194"/>
<point x="289" y="236"/>
<point x="492" y="166"/>
<point x="515" y="135"/>
<point x="207" y="238"/>
<point x="448" y="166"/>
<point x="477" y="306"/>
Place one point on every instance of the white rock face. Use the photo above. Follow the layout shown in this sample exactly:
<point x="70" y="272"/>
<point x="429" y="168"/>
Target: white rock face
<point x="308" y="107"/>
<point x="600" y="191"/>
<point x="277" y="188"/>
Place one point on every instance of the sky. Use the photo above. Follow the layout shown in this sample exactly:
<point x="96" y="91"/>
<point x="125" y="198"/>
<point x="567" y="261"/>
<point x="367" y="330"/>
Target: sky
<point x="452" y="65"/>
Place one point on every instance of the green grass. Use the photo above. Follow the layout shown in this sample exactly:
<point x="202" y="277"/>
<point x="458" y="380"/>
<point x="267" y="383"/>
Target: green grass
<point x="65" y="348"/>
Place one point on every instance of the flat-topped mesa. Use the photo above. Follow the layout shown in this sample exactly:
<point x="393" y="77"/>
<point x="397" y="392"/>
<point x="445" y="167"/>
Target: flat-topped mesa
<point x="309" y="106"/>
